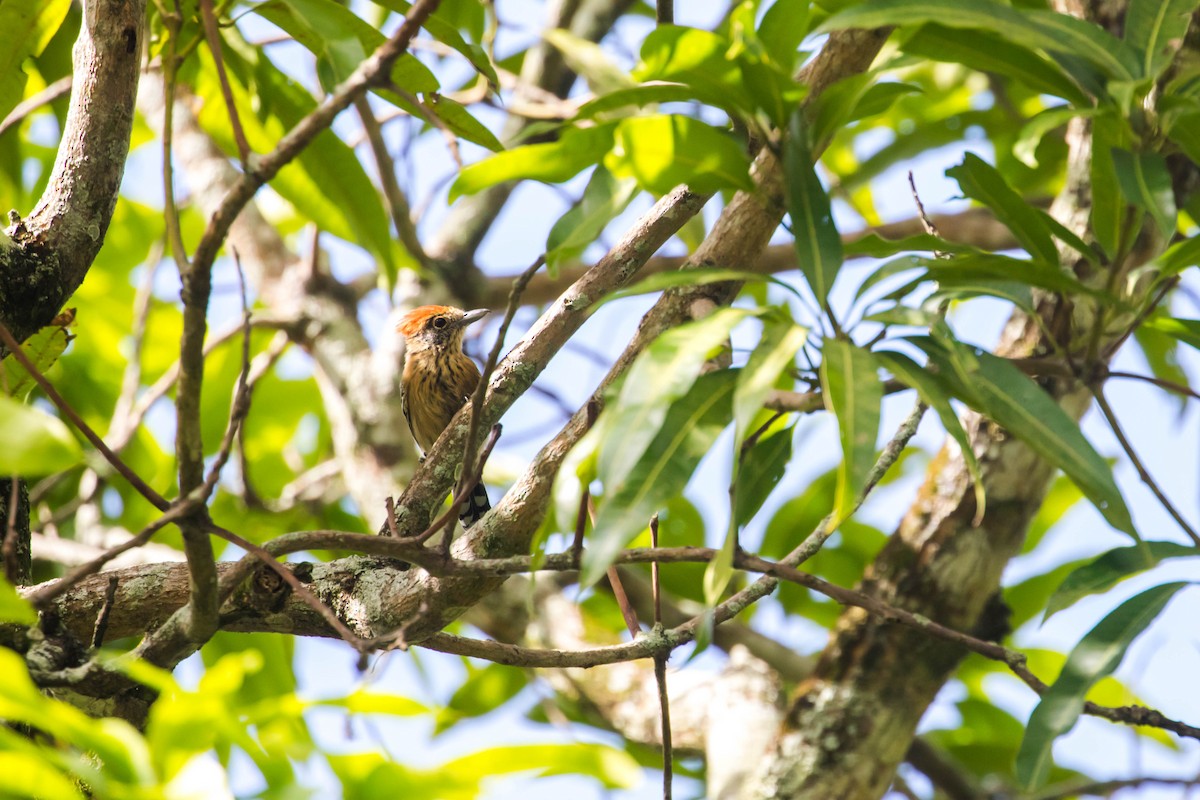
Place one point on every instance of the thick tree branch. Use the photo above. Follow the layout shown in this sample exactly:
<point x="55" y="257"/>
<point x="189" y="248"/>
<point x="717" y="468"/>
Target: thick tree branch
<point x="48" y="254"/>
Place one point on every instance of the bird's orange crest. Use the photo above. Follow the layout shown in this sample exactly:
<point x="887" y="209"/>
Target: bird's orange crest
<point x="412" y="322"/>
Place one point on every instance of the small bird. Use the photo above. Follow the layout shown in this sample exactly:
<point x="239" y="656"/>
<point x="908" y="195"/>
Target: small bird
<point x="438" y="379"/>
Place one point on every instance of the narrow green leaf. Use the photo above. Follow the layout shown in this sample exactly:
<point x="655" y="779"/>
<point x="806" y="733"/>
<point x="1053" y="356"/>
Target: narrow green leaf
<point x="552" y="162"/>
<point x="1145" y="182"/>
<point x="1179" y="256"/>
<point x="1096" y="656"/>
<point x="1107" y="216"/>
<point x="695" y="277"/>
<point x="660" y="376"/>
<point x="1151" y="26"/>
<point x="818" y="243"/>
<point x="1055" y="33"/>
<point x="981" y="181"/>
<point x="667" y="150"/>
<point x="13" y="607"/>
<point x="461" y="122"/>
<point x="1185" y="330"/>
<point x="641" y="96"/>
<point x="1109" y="569"/>
<point x="988" y="53"/>
<point x="35" y="443"/>
<point x="853" y="392"/>
<point x="761" y="472"/>
<point x="780" y="342"/>
<point x="935" y="395"/>
<point x="686" y="435"/>
<point x="444" y="30"/>
<point x="999" y="390"/>
<point x="604" y="198"/>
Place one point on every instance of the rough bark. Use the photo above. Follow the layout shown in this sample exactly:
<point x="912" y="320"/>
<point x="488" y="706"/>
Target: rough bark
<point x="45" y="257"/>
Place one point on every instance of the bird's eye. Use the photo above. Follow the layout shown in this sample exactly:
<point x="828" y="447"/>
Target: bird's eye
<point x="439" y="322"/>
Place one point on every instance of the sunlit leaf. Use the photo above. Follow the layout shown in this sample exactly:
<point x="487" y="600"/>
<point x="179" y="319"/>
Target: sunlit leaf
<point x="818" y="243"/>
<point x="1109" y="569"/>
<point x="665" y="151"/>
<point x="687" y="433"/>
<point x="1096" y="656"/>
<point x="852" y="391"/>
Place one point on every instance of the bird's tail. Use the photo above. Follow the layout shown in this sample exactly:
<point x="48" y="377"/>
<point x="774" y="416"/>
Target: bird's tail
<point x="475" y="507"/>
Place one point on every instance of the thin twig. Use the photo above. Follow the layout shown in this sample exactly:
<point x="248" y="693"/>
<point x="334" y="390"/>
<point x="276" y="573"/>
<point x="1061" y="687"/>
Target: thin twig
<point x="373" y="69"/>
<point x="397" y="203"/>
<point x="47" y="593"/>
<point x="660" y="668"/>
<point x="112" y="458"/>
<point x="60" y="87"/>
<point x="451" y="513"/>
<point x="213" y="35"/>
<point x="297" y="587"/>
<point x="655" y="584"/>
<point x="476" y="422"/>
<point x="110" y="595"/>
<point x="1170" y="386"/>
<point x="585" y="498"/>
<point x="1142" y="472"/>
<point x="664" y="705"/>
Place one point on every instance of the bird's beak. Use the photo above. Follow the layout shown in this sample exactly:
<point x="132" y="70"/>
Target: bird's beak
<point x="472" y="316"/>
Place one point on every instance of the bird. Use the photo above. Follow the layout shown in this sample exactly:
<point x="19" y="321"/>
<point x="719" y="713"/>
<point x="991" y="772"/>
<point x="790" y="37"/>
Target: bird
<point x="438" y="379"/>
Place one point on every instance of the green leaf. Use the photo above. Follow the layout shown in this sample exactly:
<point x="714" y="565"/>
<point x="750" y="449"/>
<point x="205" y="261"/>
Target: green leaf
<point x="780" y="342"/>
<point x="28" y="27"/>
<point x="13" y="607"/>
<point x="697" y="58"/>
<point x="782" y="30"/>
<point x="934" y="394"/>
<point x="35" y="443"/>
<point x="1179" y="257"/>
<point x="1109" y="569"/>
<point x="1096" y="656"/>
<point x="445" y="31"/>
<point x="640" y="96"/>
<point x="852" y="391"/>
<point x="694" y="277"/>
<point x="1107" y="217"/>
<point x="31" y="775"/>
<point x="666" y="150"/>
<point x="604" y="198"/>
<point x="461" y="122"/>
<point x="686" y="435"/>
<point x="1055" y="33"/>
<point x="614" y="768"/>
<point x="760" y="472"/>
<point x="660" y="376"/>
<point x="1185" y="330"/>
<point x="818" y="243"/>
<point x="552" y="162"/>
<point x="982" y="182"/>
<point x="1151" y="26"/>
<point x="988" y="53"/>
<point x="43" y="349"/>
<point x="318" y="24"/>
<point x="483" y="691"/>
<point x="1043" y="122"/>
<point x="1145" y="182"/>
<point x="589" y="60"/>
<point x="999" y="390"/>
